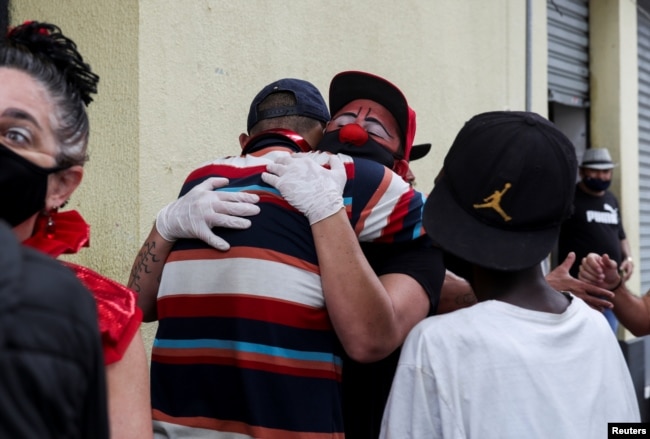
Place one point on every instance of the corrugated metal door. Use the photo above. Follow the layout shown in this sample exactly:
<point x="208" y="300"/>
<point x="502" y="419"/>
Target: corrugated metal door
<point x="568" y="52"/>
<point x="643" y="264"/>
<point x="568" y="72"/>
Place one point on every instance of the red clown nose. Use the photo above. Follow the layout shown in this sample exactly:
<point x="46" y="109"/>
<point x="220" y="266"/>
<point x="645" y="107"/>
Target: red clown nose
<point x="354" y="134"/>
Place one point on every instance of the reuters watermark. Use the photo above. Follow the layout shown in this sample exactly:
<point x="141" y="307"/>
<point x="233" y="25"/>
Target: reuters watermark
<point x="628" y="430"/>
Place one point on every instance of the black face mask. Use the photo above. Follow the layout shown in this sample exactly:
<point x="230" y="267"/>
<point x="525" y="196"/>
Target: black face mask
<point x="349" y="140"/>
<point x="596" y="184"/>
<point x="23" y="186"/>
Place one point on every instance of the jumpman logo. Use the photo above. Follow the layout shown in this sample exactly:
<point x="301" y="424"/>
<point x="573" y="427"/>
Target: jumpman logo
<point x="494" y="201"/>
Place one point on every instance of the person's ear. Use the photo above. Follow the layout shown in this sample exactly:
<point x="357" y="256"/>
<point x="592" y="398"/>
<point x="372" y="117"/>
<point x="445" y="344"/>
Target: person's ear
<point x="410" y="177"/>
<point x="243" y="140"/>
<point x="401" y="168"/>
<point x="61" y="185"/>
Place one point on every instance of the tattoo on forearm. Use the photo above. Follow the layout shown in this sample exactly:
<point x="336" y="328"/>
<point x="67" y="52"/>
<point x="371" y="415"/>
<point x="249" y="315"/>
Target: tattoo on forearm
<point x="144" y="263"/>
<point x="466" y="299"/>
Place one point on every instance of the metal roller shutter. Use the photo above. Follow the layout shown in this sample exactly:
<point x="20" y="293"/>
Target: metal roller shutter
<point x="643" y="26"/>
<point x="568" y="52"/>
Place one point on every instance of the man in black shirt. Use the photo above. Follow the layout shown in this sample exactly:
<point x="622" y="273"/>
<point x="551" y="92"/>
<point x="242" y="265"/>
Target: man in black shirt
<point x="595" y="225"/>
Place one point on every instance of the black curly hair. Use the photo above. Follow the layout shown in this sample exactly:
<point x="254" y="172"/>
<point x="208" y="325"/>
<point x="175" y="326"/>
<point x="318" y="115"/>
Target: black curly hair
<point x="43" y="52"/>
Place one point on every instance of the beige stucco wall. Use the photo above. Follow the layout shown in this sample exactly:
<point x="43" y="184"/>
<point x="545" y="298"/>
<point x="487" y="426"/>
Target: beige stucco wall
<point x="177" y="78"/>
<point x="106" y="34"/>
<point x="614" y="109"/>
<point x="201" y="64"/>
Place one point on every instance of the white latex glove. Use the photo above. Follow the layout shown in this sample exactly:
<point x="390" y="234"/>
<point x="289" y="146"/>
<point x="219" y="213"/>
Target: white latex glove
<point x="315" y="191"/>
<point x="194" y="214"/>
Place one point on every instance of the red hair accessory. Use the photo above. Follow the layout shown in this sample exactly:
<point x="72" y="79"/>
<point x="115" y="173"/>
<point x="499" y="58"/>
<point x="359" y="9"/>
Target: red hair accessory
<point x="41" y="30"/>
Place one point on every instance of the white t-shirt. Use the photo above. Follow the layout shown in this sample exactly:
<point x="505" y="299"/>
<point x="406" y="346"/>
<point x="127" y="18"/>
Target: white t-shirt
<point x="499" y="371"/>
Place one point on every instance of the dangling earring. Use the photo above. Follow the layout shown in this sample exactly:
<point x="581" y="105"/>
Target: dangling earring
<point x="50" y="224"/>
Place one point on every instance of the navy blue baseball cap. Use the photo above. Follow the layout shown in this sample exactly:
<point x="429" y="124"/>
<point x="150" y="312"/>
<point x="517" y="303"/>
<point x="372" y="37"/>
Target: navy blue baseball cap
<point x="309" y="102"/>
<point x="505" y="188"/>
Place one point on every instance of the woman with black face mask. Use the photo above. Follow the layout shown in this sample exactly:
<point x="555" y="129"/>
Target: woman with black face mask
<point x="45" y="87"/>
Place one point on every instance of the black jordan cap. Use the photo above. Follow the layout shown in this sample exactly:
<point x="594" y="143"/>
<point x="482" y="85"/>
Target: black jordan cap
<point x="506" y="186"/>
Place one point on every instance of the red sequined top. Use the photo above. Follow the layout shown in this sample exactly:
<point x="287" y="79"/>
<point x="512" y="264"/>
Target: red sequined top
<point x="119" y="316"/>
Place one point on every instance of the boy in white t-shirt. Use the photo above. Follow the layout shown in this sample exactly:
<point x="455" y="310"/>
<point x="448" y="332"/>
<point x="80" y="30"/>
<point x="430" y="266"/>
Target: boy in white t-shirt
<point x="527" y="360"/>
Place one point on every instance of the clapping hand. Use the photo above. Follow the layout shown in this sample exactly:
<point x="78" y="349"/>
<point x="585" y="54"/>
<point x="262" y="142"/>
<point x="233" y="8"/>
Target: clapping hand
<point x="592" y="293"/>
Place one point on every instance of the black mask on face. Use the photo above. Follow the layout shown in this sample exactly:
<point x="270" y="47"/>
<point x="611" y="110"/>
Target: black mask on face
<point x="23" y="186"/>
<point x="596" y="184"/>
<point x="353" y="140"/>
